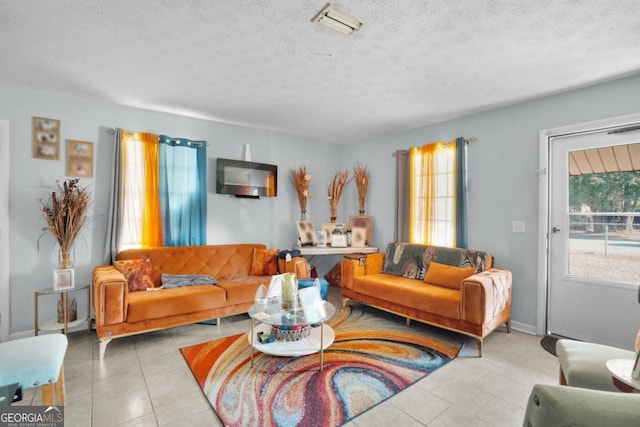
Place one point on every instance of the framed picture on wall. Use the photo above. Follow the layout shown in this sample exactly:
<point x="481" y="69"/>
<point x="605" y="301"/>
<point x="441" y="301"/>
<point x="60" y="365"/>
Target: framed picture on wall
<point x="362" y="222"/>
<point x="79" y="159"/>
<point x="63" y="279"/>
<point x="46" y="138"/>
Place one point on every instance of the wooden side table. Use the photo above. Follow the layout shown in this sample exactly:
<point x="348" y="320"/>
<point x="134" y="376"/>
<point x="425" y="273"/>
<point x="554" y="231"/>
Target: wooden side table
<point x="53" y="324"/>
<point x="621" y="374"/>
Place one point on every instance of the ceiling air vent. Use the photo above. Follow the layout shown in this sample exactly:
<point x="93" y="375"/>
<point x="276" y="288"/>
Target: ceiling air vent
<point x="337" y="20"/>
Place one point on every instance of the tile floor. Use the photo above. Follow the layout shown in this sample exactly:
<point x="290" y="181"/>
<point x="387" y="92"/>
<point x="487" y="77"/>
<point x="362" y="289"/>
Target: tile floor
<point x="144" y="381"/>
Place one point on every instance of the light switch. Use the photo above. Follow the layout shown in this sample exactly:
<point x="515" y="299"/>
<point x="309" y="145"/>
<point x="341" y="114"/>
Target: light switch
<point x="517" y="226"/>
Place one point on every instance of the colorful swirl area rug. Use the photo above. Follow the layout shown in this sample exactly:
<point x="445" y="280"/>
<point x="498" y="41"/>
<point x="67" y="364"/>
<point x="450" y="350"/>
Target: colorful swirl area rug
<point x="372" y="358"/>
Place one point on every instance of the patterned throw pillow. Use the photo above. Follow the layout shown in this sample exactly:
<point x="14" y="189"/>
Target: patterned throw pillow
<point x="447" y="276"/>
<point x="137" y="272"/>
<point x="265" y="262"/>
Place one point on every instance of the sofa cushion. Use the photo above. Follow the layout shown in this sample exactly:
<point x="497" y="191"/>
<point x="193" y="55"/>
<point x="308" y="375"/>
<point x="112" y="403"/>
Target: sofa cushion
<point x="161" y="303"/>
<point x="265" y="262"/>
<point x="243" y="289"/>
<point x="447" y="275"/>
<point x="137" y="272"/>
<point x="411" y="293"/>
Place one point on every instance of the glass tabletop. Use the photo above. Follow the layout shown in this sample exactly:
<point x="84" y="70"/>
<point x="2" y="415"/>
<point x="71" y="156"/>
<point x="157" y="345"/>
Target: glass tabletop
<point x="273" y="314"/>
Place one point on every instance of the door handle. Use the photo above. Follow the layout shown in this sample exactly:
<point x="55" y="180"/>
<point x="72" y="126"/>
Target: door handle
<point x="555" y="229"/>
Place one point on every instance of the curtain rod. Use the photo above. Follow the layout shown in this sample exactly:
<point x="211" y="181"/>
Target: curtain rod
<point x="112" y="131"/>
<point x="466" y="140"/>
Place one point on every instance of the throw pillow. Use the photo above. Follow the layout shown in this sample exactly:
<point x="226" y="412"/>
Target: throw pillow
<point x="137" y="272"/>
<point x="265" y="262"/>
<point x="447" y="276"/>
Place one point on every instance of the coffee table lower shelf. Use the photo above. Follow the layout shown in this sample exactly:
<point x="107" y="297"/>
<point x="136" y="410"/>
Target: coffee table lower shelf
<point x="312" y="344"/>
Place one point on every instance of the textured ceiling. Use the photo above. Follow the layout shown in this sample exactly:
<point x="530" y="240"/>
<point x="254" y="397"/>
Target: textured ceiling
<point x="263" y="64"/>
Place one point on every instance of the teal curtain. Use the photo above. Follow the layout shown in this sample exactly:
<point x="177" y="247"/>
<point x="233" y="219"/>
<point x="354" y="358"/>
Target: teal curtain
<point x="183" y="191"/>
<point x="462" y="232"/>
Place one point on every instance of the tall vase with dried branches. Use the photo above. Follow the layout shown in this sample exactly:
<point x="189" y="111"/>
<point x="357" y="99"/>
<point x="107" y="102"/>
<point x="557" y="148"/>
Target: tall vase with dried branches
<point x="334" y="191"/>
<point x="65" y="211"/>
<point x="361" y="177"/>
<point x="302" y="180"/>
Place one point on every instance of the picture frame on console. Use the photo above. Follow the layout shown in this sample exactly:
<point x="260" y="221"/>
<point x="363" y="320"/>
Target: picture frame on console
<point x="358" y="237"/>
<point x="362" y="221"/>
<point x="307" y="233"/>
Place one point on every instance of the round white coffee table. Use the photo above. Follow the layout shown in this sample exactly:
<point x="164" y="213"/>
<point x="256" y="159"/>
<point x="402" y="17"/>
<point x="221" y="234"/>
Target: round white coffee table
<point x="621" y="372"/>
<point x="265" y="316"/>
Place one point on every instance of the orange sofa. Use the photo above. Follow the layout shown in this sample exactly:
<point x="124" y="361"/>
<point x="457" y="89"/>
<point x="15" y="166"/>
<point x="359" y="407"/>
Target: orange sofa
<point x="454" y="289"/>
<point x="120" y="312"/>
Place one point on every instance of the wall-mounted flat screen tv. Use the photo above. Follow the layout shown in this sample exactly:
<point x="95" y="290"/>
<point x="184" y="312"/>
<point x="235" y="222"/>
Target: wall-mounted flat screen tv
<point x="246" y="179"/>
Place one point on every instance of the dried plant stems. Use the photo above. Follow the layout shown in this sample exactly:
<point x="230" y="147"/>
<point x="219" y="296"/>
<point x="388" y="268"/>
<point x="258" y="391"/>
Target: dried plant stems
<point x="66" y="212"/>
<point x="361" y="177"/>
<point x="301" y="180"/>
<point x="334" y="191"/>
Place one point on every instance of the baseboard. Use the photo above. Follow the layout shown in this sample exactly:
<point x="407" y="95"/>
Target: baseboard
<point x="30" y="333"/>
<point x="523" y="327"/>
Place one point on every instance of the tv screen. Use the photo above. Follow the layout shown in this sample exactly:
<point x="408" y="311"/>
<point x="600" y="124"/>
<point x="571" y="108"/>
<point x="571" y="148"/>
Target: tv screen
<point x="246" y="179"/>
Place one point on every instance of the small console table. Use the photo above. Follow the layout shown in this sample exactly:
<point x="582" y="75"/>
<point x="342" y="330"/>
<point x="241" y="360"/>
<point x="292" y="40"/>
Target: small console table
<point x="52" y="324"/>
<point x="314" y="253"/>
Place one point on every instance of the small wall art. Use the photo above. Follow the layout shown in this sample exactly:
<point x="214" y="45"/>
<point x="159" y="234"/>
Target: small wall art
<point x="79" y="158"/>
<point x="46" y="138"/>
<point x="63" y="279"/>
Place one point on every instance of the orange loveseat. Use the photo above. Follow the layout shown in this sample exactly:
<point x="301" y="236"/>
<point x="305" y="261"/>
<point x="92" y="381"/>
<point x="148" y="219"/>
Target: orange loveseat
<point x="451" y="288"/>
<point x="120" y="312"/>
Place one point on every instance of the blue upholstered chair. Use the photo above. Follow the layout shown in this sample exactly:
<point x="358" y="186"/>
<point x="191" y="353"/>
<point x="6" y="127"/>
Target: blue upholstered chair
<point x="35" y="362"/>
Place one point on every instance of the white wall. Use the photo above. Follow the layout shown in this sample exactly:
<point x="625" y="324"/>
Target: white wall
<point x="230" y="220"/>
<point x="502" y="174"/>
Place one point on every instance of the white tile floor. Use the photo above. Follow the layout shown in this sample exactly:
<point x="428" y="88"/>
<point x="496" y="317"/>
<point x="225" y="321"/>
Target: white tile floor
<point x="144" y="381"/>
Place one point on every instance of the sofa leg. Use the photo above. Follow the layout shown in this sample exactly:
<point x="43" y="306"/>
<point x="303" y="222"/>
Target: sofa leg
<point x="408" y="322"/>
<point x="103" y="346"/>
<point x="479" y="346"/>
<point x="563" y="380"/>
<point x="345" y="300"/>
<point x="508" y="325"/>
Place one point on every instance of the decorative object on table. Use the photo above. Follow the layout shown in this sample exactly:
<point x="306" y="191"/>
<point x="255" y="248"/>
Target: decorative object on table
<point x="361" y="178"/>
<point x="358" y="237"/>
<point x="334" y="228"/>
<point x="339" y="240"/>
<point x="390" y="355"/>
<point x="72" y="310"/>
<point x="334" y="191"/>
<point x="302" y="180"/>
<point x="46" y="138"/>
<point x="79" y="158"/>
<point x="289" y="291"/>
<point x="307" y="233"/>
<point x="66" y="214"/>
<point x="363" y="221"/>
<point x="63" y="279"/>
<point x="321" y="236"/>
<point x="311" y="302"/>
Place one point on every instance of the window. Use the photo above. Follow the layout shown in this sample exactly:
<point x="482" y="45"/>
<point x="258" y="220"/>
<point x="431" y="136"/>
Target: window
<point x="434" y="200"/>
<point x="163" y="191"/>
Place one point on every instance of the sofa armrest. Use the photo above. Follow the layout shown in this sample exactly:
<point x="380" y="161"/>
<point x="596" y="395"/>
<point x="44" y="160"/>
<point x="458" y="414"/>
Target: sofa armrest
<point x="555" y="405"/>
<point x="110" y="292"/>
<point x="360" y="266"/>
<point x="485" y="295"/>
